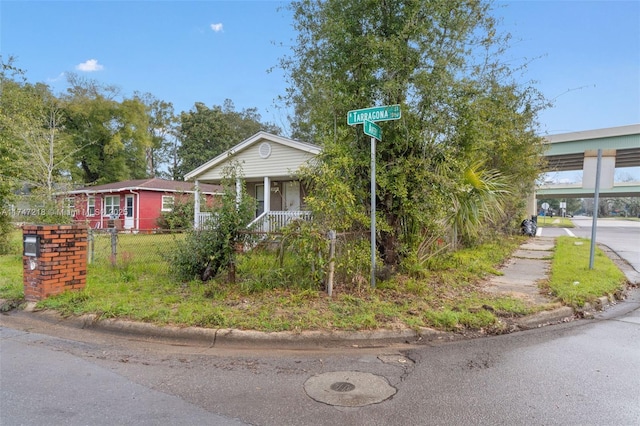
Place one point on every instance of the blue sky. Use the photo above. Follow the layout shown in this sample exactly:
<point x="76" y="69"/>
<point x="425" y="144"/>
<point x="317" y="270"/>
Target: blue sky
<point x="585" y="54"/>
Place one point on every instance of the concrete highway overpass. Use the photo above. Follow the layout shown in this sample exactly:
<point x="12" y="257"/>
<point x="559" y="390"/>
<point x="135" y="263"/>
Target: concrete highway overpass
<point x="578" y="151"/>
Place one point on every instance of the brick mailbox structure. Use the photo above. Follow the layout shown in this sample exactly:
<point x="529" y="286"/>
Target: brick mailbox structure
<point x="54" y="259"/>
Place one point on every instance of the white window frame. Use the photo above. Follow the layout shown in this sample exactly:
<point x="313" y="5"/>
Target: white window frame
<point x="168" y="201"/>
<point x="109" y="205"/>
<point x="91" y="206"/>
<point x="69" y="206"/>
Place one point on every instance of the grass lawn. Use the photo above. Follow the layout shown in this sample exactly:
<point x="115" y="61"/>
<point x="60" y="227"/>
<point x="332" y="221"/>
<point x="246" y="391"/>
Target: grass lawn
<point x="11" y="271"/>
<point x="269" y="298"/>
<point x="571" y="279"/>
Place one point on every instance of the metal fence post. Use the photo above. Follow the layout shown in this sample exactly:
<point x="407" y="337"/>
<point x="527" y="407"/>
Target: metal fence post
<point x="91" y="246"/>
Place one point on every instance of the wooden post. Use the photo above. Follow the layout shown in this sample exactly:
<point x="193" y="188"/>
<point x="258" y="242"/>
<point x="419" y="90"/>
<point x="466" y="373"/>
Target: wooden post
<point x="332" y="263"/>
<point x="114" y="246"/>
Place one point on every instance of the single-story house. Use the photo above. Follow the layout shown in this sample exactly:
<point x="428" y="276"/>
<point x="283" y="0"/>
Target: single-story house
<point x="132" y="204"/>
<point x="269" y="165"/>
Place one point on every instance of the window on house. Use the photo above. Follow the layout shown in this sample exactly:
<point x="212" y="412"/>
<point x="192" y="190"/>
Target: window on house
<point x="167" y="203"/>
<point x="112" y="205"/>
<point x="69" y="206"/>
<point x="91" y="206"/>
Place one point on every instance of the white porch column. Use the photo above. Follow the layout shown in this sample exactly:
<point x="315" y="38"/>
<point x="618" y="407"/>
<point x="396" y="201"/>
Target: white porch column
<point x="196" y="214"/>
<point x="267" y="194"/>
<point x="238" y="192"/>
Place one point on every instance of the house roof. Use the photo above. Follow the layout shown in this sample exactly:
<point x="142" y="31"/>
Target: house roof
<point x="258" y="137"/>
<point x="153" y="184"/>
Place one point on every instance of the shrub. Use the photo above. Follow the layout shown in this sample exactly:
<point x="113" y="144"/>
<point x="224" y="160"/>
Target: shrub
<point x="180" y="217"/>
<point x="205" y="251"/>
<point x="5" y="233"/>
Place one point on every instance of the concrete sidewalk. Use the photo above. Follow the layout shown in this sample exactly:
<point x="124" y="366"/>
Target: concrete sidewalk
<point x="521" y="277"/>
<point x="522" y="273"/>
<point x="529" y="267"/>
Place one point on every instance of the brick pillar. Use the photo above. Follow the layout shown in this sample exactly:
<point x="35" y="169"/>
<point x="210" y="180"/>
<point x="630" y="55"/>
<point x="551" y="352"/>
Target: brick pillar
<point x="61" y="263"/>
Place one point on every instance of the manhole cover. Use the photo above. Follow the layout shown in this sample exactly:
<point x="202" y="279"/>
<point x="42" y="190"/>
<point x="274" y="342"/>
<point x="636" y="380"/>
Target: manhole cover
<point x="348" y="388"/>
<point x="342" y="387"/>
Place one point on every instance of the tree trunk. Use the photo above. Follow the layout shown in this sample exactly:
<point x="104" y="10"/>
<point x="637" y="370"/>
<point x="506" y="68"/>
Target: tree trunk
<point x="388" y="248"/>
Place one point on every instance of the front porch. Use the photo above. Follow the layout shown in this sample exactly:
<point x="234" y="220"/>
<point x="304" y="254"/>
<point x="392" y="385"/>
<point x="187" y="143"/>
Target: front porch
<point x="275" y="208"/>
<point x="271" y="221"/>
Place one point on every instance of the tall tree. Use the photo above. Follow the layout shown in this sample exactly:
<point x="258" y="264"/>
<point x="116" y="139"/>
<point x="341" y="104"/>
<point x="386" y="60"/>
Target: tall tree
<point x="204" y="134"/>
<point x="111" y="137"/>
<point x="162" y="132"/>
<point x="431" y="57"/>
<point x="207" y="132"/>
<point x="43" y="142"/>
<point x="11" y="105"/>
<point x="496" y="126"/>
<point x="34" y="123"/>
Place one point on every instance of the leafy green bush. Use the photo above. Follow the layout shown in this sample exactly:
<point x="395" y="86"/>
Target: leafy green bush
<point x="308" y="244"/>
<point x="180" y="217"/>
<point x="205" y="251"/>
<point x="5" y="233"/>
<point x="353" y="262"/>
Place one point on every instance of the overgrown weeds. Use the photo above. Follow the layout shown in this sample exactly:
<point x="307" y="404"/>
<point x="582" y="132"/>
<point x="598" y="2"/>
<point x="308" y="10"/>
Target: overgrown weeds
<point x="275" y="293"/>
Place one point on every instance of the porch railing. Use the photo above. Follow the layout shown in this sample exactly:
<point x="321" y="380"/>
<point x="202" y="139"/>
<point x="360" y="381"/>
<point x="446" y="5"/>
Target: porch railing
<point x="202" y="219"/>
<point x="272" y="221"/>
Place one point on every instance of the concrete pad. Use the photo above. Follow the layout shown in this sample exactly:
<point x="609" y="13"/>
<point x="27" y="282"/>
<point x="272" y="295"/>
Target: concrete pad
<point x="523" y="271"/>
<point x="539" y="243"/>
<point x="538" y="246"/>
<point x="533" y="254"/>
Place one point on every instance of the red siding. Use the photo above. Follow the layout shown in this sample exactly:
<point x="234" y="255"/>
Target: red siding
<point x="149" y="205"/>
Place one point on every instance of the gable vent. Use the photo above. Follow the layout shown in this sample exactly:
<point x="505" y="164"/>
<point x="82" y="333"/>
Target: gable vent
<point x="264" y="150"/>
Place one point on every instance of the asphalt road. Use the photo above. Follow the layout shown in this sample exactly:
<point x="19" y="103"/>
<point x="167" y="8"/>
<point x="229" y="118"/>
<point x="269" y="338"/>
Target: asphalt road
<point x="584" y="372"/>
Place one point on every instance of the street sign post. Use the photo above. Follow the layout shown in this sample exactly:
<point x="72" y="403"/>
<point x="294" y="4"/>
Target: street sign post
<point x="372" y="129"/>
<point x="368" y="117"/>
<point x="381" y="113"/>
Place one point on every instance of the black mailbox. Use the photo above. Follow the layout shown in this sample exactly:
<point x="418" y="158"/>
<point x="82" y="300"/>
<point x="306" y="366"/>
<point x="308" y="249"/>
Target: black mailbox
<point x="31" y="244"/>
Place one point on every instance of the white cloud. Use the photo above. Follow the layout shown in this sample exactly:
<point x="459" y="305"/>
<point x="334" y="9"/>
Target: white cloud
<point x="216" y="27"/>
<point x="56" y="79"/>
<point x="90" y="66"/>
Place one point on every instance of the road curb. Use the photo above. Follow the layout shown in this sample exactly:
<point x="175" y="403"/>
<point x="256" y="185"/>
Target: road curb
<point x="239" y="338"/>
<point x="224" y="337"/>
<point x="540" y="319"/>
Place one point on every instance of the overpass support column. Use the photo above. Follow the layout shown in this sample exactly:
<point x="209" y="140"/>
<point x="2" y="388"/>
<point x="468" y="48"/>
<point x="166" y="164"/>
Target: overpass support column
<point x="607" y="169"/>
<point x="532" y="204"/>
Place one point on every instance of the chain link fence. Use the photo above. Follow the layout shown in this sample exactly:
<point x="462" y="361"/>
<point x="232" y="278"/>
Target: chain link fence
<point x="343" y="257"/>
<point x="151" y="250"/>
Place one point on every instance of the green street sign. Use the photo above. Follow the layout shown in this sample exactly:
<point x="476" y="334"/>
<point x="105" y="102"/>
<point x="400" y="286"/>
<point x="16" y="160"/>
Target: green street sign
<point x="381" y="113"/>
<point x="372" y="129"/>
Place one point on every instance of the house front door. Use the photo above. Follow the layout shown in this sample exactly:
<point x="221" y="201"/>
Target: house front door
<point x="292" y="196"/>
<point x="129" y="218"/>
